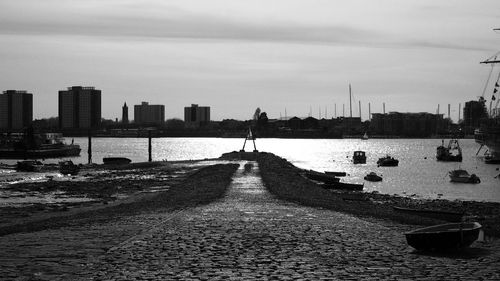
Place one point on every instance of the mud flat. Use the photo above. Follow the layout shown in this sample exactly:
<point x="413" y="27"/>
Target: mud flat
<point x="117" y="192"/>
<point x="287" y="182"/>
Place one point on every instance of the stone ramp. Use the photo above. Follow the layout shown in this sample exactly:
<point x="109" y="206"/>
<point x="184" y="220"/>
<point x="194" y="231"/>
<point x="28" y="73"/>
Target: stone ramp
<point x="250" y="235"/>
<point x="247" y="235"/>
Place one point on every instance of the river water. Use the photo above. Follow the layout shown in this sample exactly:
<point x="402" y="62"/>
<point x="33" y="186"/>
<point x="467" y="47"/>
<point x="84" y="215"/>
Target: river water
<point x="418" y="175"/>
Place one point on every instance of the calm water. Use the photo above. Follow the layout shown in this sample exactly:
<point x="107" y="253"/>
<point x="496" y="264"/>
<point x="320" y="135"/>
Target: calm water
<point x="418" y="174"/>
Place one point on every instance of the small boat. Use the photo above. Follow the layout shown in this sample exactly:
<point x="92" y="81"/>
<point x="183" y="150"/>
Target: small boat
<point x="387" y="161"/>
<point x="336" y="174"/>
<point x="29" y="166"/>
<point x="365" y="136"/>
<point x="372" y="176"/>
<point x="444" y="236"/>
<point x="450" y="153"/>
<point x="491" y="159"/>
<point x="436" y="214"/>
<point x="463" y="176"/>
<point x="68" y="168"/>
<point x="359" y="157"/>
<point x="321" y="177"/>
<point x="343" y="185"/>
<point x="116" y="160"/>
<point x="248" y="167"/>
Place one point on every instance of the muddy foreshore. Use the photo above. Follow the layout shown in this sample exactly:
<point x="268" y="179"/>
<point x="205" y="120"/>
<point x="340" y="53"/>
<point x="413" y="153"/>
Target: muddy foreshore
<point x="203" y="184"/>
<point x="287" y="182"/>
<point x="200" y="185"/>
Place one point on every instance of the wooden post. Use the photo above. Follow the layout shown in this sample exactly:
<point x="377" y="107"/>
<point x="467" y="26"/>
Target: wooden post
<point x="149" y="146"/>
<point x="89" y="151"/>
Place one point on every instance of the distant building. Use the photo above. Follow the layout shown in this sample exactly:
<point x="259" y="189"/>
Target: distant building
<point x="149" y="114"/>
<point x="16" y="110"/>
<point x="80" y="108"/>
<point x="474" y="111"/>
<point x="196" y="116"/>
<point x="125" y="114"/>
<point x="421" y="124"/>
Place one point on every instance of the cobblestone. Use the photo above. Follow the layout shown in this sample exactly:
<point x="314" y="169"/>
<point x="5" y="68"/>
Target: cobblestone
<point x="246" y="235"/>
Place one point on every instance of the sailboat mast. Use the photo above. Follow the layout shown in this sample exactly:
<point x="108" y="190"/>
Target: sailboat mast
<point x="350" y="101"/>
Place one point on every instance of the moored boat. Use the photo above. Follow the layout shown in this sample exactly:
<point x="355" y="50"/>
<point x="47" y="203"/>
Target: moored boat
<point x="444" y="236"/>
<point x="450" y="153"/>
<point x="116" y="160"/>
<point x="463" y="176"/>
<point x="387" y="161"/>
<point x="37" y="146"/>
<point x="359" y="157"/>
<point x="372" y="176"/>
<point x="488" y="133"/>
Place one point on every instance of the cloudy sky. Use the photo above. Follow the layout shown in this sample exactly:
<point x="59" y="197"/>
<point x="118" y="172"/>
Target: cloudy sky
<point x="235" y="55"/>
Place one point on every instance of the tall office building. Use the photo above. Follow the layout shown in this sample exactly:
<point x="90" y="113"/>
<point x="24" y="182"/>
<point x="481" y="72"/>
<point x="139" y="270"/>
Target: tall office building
<point x="16" y="110"/>
<point x="196" y="116"/>
<point x="149" y="114"/>
<point x="80" y="108"/>
<point x="125" y="114"/>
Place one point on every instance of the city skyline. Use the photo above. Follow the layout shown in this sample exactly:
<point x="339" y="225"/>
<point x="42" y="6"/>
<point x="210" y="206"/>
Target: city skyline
<point x="235" y="56"/>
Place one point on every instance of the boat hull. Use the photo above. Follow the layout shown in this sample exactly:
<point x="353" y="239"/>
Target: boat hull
<point x="444" y="236"/>
<point x="64" y="151"/>
<point x="435" y="214"/>
<point x="116" y="160"/>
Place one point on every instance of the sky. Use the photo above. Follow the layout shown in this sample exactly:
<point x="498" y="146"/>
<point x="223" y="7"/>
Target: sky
<point x="287" y="57"/>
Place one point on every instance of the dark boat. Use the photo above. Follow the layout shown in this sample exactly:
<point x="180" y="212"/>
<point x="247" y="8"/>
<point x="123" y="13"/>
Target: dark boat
<point x="68" y="168"/>
<point x="463" y="176"/>
<point x="116" y="160"/>
<point x="336" y="174"/>
<point x="344" y="185"/>
<point x="372" y="176"/>
<point x="444" y="236"/>
<point x="436" y="214"/>
<point x="450" y="153"/>
<point x="359" y="157"/>
<point x="387" y="161"/>
<point x="29" y="166"/>
<point x="37" y="146"/>
<point x="321" y="177"/>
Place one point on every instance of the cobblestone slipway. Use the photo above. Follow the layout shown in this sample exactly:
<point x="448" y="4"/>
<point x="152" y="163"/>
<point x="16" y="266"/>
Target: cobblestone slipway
<point x="246" y="235"/>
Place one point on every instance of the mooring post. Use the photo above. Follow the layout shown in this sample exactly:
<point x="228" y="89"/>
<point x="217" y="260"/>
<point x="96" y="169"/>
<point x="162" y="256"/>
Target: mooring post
<point x="149" y="146"/>
<point x="90" y="146"/>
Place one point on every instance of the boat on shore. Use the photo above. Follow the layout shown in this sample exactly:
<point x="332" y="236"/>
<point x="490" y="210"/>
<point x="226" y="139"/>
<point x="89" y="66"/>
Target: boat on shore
<point x="344" y="185"/>
<point x="450" y="153"/>
<point x="444" y="236"/>
<point x="321" y="177"/>
<point x="116" y="160"/>
<point x="435" y="214"/>
<point x="462" y="176"/>
<point x="29" y="166"/>
<point x="387" y="161"/>
<point x="68" y="168"/>
<point x="36" y="146"/>
<point x="336" y="174"/>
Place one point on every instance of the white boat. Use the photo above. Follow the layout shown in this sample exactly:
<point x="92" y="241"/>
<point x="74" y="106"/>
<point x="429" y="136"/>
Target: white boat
<point x="365" y="136"/>
<point x="463" y="176"/>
